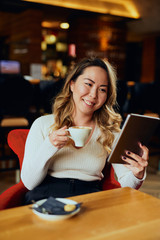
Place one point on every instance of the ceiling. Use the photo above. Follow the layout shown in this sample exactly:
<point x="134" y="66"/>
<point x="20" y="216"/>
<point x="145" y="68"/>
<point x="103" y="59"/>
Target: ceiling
<point x="125" y="8"/>
<point x="143" y="13"/>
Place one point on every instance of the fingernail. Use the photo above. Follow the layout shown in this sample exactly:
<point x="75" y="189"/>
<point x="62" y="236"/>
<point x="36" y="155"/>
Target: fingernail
<point x="123" y="157"/>
<point x="128" y="152"/>
<point x="141" y="144"/>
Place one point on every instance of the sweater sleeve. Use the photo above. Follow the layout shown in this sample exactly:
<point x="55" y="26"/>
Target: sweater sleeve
<point x="37" y="156"/>
<point x="126" y="178"/>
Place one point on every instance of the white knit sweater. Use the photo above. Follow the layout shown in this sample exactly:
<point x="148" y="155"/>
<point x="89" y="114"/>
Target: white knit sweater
<point x="42" y="158"/>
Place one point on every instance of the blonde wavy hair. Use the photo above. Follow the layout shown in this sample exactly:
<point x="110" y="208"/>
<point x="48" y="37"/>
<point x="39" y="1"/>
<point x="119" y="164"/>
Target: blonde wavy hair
<point x="106" y="118"/>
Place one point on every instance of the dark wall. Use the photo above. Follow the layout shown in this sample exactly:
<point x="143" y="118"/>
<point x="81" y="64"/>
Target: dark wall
<point x="133" y="61"/>
<point x="157" y="73"/>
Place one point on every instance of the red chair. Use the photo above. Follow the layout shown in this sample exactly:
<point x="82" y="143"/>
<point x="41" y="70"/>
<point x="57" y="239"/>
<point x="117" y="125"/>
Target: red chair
<point x="109" y="181"/>
<point x="13" y="196"/>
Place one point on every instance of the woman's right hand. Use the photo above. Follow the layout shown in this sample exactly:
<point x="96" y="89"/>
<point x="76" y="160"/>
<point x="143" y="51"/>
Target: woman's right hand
<point x="59" y="137"/>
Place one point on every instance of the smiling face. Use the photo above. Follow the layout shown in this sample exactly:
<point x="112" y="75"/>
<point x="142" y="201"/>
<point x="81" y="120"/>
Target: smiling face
<point x="90" y="90"/>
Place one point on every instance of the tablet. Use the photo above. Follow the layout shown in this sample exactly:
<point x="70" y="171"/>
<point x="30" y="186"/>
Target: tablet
<point x="136" y="128"/>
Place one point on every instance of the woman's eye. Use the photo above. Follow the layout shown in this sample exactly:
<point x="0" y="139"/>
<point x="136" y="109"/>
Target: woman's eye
<point x="102" y="90"/>
<point x="88" y="84"/>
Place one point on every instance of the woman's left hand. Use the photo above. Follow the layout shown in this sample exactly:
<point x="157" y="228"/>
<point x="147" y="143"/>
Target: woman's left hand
<point x="136" y="163"/>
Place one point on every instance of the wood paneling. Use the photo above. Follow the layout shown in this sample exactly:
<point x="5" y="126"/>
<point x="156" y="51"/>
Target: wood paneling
<point x="99" y="37"/>
<point x="148" y="60"/>
<point x="23" y="37"/>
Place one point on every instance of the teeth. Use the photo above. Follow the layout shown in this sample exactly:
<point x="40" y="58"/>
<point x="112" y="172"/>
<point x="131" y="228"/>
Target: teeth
<point x="89" y="103"/>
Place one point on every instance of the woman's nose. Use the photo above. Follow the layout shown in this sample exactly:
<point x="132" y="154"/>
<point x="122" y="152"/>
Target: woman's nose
<point x="93" y="93"/>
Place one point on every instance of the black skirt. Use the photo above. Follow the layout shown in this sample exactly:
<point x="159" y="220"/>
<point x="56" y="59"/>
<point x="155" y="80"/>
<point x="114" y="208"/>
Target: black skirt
<point x="61" y="188"/>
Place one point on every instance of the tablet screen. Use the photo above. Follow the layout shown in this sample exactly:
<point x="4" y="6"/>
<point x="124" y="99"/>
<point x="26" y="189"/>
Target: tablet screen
<point x="136" y="128"/>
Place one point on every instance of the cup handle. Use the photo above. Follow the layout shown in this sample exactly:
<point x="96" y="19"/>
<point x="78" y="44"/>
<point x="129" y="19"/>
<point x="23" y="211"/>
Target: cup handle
<point x="67" y="130"/>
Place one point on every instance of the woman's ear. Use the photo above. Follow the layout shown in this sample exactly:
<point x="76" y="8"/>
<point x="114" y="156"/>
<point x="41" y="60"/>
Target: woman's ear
<point x="72" y="85"/>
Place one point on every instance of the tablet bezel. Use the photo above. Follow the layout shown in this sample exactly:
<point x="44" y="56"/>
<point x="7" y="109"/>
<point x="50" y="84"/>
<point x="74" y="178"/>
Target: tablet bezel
<point x="136" y="128"/>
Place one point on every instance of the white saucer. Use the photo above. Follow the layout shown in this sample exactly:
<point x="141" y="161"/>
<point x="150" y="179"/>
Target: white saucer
<point x="52" y="217"/>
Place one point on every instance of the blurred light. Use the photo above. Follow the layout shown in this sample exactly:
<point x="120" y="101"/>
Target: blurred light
<point x="72" y="50"/>
<point x="50" y="24"/>
<point x="61" y="47"/>
<point x="50" y="39"/>
<point x="104" y="37"/>
<point x="43" y="46"/>
<point x="64" y="25"/>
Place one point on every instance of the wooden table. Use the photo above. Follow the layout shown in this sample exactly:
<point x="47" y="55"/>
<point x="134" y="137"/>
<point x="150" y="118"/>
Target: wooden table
<point x="122" y="213"/>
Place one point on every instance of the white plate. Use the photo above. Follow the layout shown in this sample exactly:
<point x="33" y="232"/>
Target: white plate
<point x="52" y="217"/>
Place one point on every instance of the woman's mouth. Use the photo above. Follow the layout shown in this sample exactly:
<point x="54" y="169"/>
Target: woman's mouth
<point x="88" y="102"/>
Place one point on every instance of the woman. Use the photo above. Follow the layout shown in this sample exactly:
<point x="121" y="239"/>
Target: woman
<point x="52" y="165"/>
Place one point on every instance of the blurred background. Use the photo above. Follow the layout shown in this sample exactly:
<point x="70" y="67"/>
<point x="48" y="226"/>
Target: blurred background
<point x="40" y="41"/>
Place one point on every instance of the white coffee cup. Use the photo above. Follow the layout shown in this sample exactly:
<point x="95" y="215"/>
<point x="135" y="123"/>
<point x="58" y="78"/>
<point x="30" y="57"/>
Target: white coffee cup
<point x="79" y="134"/>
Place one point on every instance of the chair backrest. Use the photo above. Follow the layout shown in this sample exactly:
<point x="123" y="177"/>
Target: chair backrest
<point x="109" y="181"/>
<point x="16" y="141"/>
<point x="13" y="196"/>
